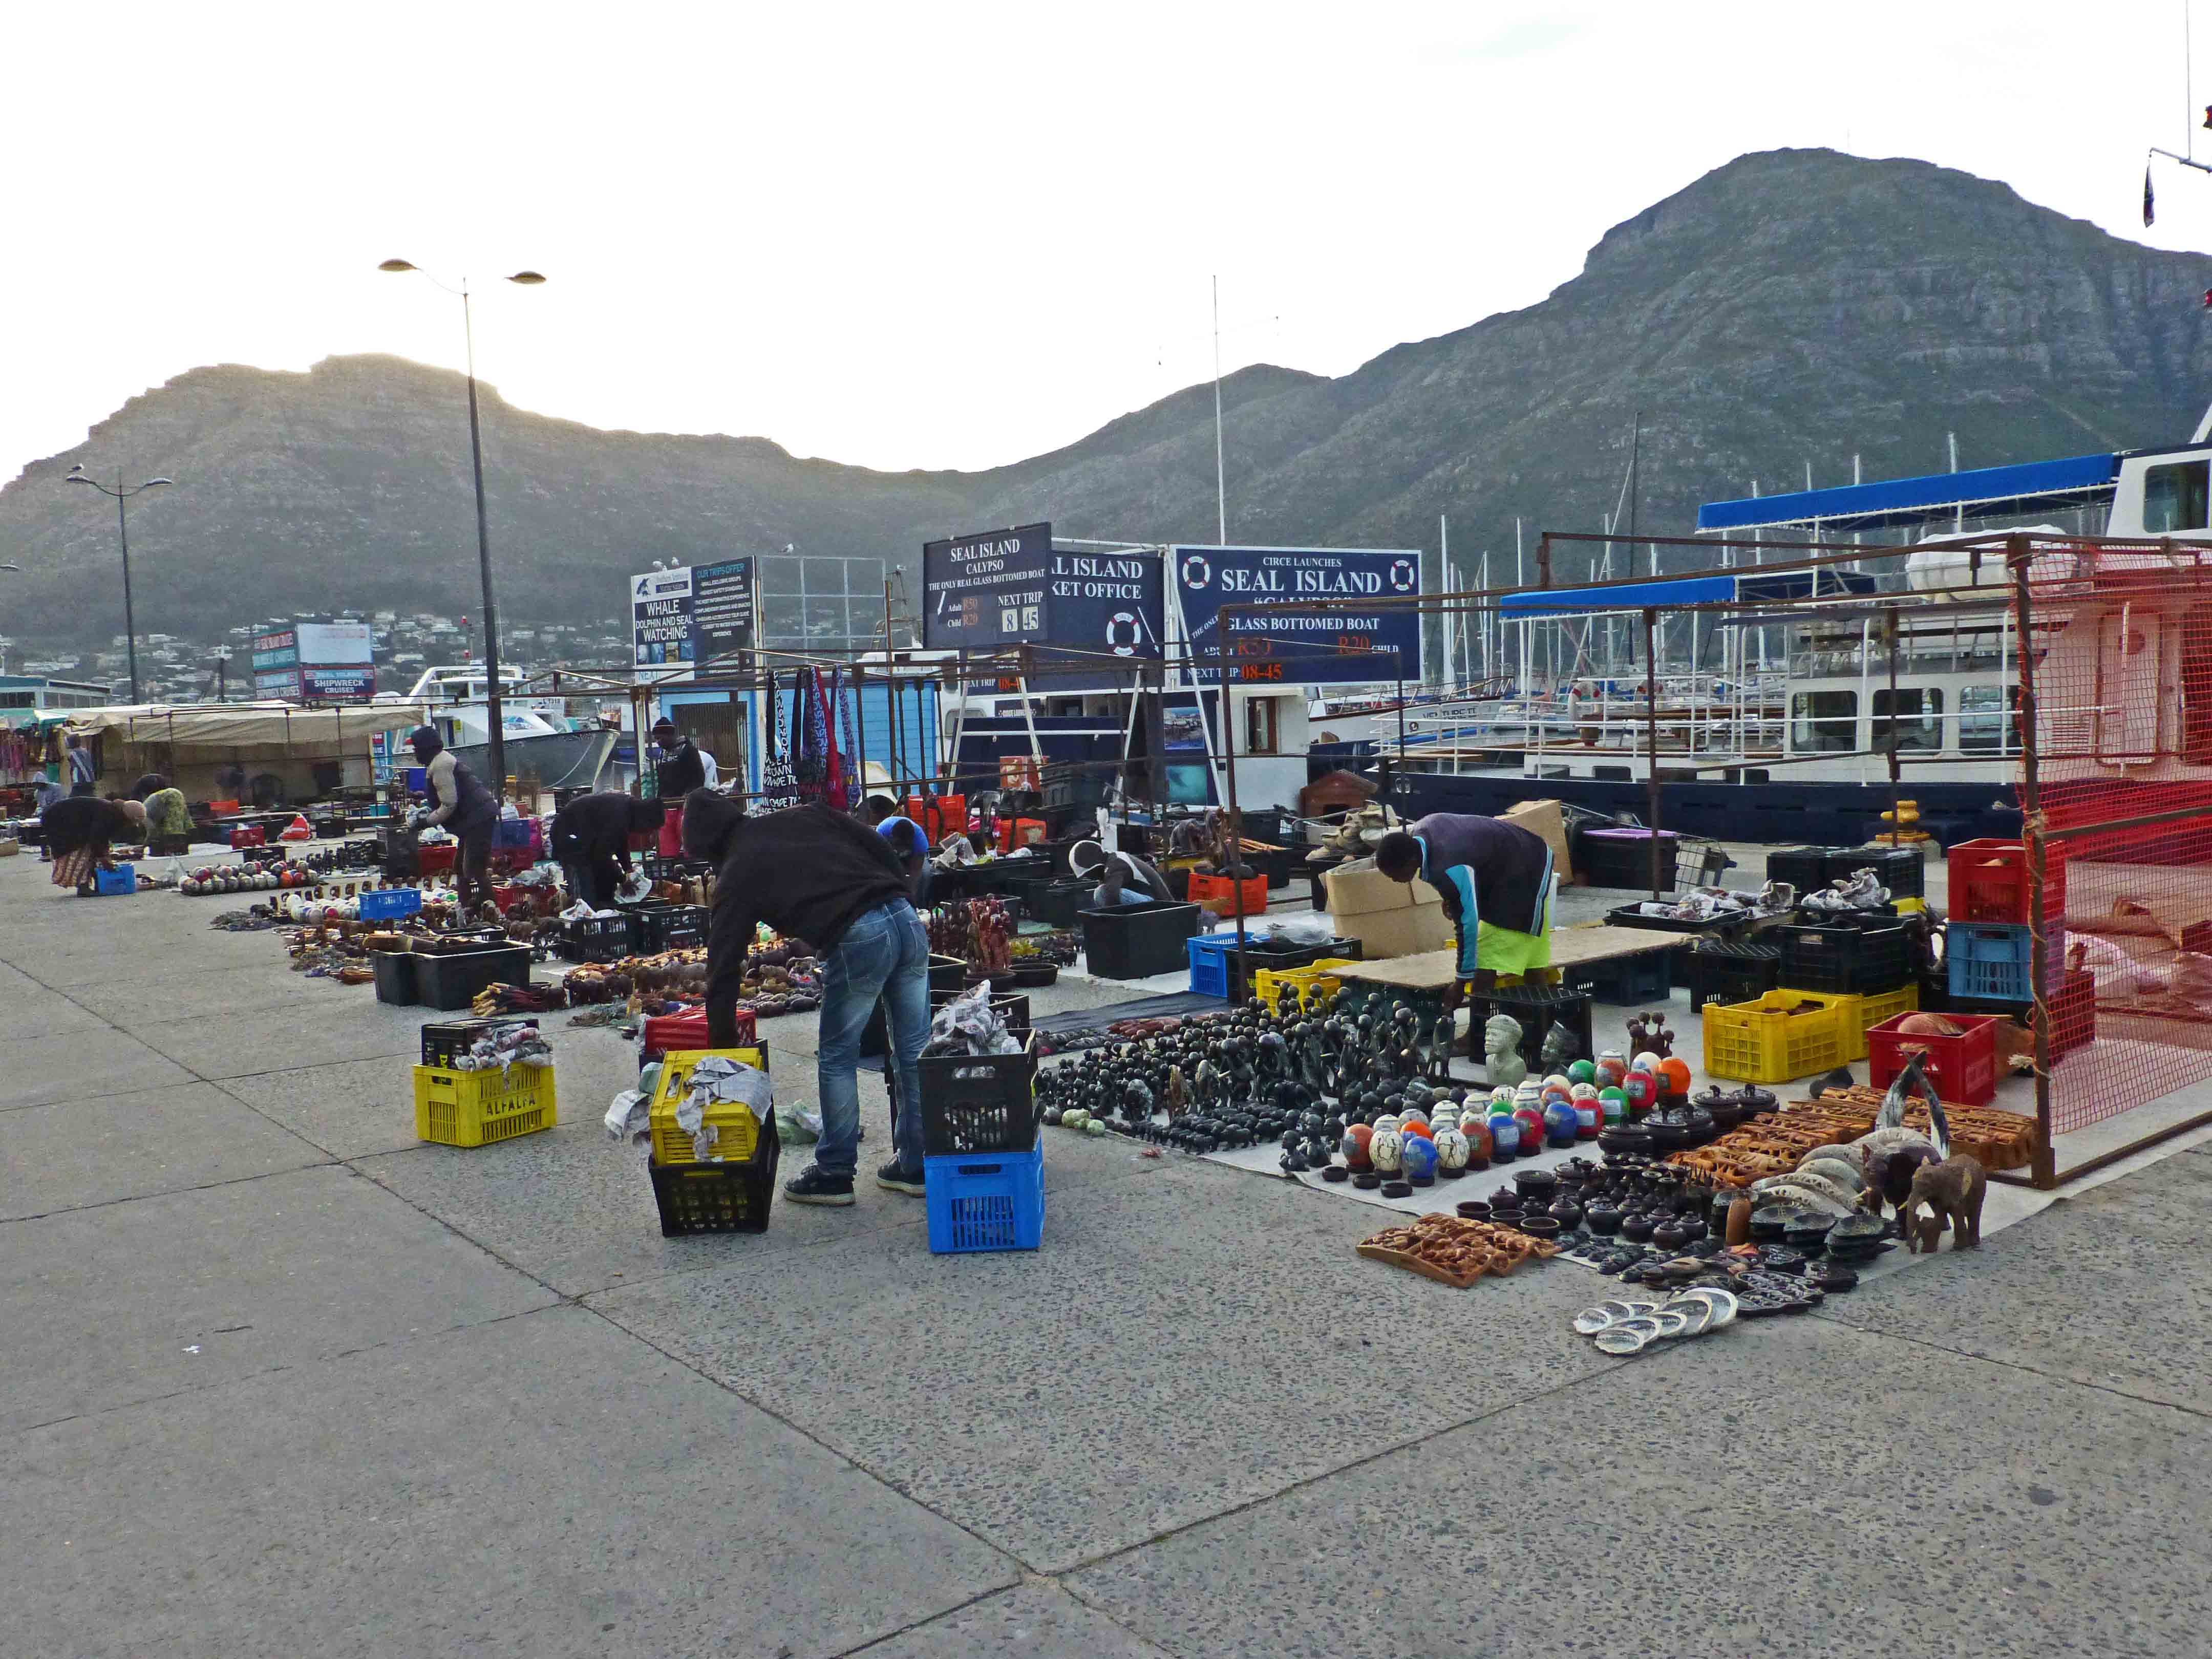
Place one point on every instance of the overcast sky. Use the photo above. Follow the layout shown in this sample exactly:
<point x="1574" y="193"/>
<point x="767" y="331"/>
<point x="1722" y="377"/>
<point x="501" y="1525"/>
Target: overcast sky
<point x="949" y="235"/>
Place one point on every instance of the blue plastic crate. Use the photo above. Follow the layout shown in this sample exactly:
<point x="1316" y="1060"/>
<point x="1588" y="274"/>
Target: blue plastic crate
<point x="114" y="884"/>
<point x="391" y="903"/>
<point x="985" y="1201"/>
<point x="1994" y="961"/>
<point x="1209" y="962"/>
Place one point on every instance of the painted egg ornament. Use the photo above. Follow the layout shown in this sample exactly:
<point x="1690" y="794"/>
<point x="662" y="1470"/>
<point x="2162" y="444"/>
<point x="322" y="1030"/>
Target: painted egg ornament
<point x="1388" y="1123"/>
<point x="1674" y="1075"/>
<point x="1384" y="1151"/>
<point x="1614" y="1104"/>
<point x="1643" y="1091"/>
<point x="1417" y="1157"/>
<point x="1646" y="1060"/>
<point x="1472" y="1117"/>
<point x="1477" y="1147"/>
<point x="1411" y="1116"/>
<point x="1504" y="1136"/>
<point x="1560" y="1082"/>
<point x="1581" y="1072"/>
<point x="1354" y="1146"/>
<point x="1417" y="1130"/>
<point x="1589" y="1116"/>
<point x="1532" y="1129"/>
<point x="1503" y="1096"/>
<point x="1452" y="1152"/>
<point x="1561" y="1124"/>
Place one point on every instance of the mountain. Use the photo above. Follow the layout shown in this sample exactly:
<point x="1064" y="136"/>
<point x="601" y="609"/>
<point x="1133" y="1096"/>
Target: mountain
<point x="1791" y="306"/>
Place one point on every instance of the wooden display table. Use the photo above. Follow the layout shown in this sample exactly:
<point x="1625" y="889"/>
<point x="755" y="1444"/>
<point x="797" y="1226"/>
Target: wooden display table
<point x="1431" y="970"/>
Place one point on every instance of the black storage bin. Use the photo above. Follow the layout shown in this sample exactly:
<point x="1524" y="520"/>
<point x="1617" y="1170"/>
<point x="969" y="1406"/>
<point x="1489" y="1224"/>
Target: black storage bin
<point x="1059" y="902"/>
<point x="447" y="982"/>
<point x="979" y="1102"/>
<point x="1609" y="856"/>
<point x="947" y="975"/>
<point x="593" y="938"/>
<point x="1805" y="868"/>
<point x="1631" y="982"/>
<point x="1538" y="1008"/>
<point x="1900" y="869"/>
<point x="395" y="977"/>
<point x="1628" y="915"/>
<point x="657" y="927"/>
<point x="1845" y="960"/>
<point x="1724" y="971"/>
<point x="719" y="1198"/>
<point x="1260" y="954"/>
<point x="1136" y="941"/>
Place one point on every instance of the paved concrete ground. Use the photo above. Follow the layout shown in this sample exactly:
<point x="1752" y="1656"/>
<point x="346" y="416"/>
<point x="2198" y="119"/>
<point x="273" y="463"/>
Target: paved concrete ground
<point x="277" y="1380"/>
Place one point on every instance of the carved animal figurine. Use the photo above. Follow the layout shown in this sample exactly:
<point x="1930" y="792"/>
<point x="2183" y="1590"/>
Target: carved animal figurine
<point x="1501" y="1043"/>
<point x="1953" y="1191"/>
<point x="1890" y="1154"/>
<point x="1442" y="1036"/>
<point x="1178" y="1094"/>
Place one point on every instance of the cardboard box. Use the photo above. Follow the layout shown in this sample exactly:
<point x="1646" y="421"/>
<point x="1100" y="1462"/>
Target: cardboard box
<point x="1389" y="918"/>
<point x="1546" y="819"/>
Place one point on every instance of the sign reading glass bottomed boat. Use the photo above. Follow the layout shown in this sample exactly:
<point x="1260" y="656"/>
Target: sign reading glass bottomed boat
<point x="1282" y="644"/>
<point x="987" y="590"/>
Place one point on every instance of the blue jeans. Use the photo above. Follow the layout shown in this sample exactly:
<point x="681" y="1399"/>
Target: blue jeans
<point x="1129" y="896"/>
<point x="884" y="953"/>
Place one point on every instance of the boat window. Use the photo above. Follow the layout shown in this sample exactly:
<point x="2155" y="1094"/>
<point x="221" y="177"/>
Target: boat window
<point x="1983" y="721"/>
<point x="1919" y="718"/>
<point x="1260" y="727"/>
<point x="1824" y="722"/>
<point x="2175" y="497"/>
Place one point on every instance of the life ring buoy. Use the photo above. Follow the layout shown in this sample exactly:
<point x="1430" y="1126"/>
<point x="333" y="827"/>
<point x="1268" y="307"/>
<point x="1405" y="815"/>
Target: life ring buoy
<point x="1114" y="624"/>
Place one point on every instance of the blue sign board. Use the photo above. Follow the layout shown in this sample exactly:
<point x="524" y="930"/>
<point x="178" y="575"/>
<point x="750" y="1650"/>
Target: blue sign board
<point x="1282" y="644"/>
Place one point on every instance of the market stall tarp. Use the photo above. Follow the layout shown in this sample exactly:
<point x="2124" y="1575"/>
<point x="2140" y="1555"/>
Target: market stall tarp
<point x="246" y="724"/>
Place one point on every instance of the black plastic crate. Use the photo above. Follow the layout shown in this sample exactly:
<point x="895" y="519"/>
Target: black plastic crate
<point x="1061" y="901"/>
<point x="1805" y="868"/>
<point x="445" y="1041"/>
<point x="1011" y="1007"/>
<point x="719" y="1198"/>
<point x="395" y="977"/>
<point x="1900" y="869"/>
<point x="1136" y="941"/>
<point x="1260" y="954"/>
<point x="979" y="1102"/>
<point x="593" y="938"/>
<point x="453" y="980"/>
<point x="657" y="927"/>
<point x="1606" y="857"/>
<point x="1628" y="915"/>
<point x="1538" y="1008"/>
<point x="1725" y="970"/>
<point x="1636" y="982"/>
<point x="947" y="975"/>
<point x="1846" y="960"/>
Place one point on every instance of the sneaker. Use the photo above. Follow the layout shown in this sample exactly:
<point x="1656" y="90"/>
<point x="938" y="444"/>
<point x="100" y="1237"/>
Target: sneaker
<point x="818" y="1186"/>
<point x="895" y="1177"/>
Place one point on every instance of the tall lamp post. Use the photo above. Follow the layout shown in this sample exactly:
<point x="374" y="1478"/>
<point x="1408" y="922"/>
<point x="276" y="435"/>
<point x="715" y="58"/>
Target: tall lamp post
<point x="222" y="673"/>
<point x="122" y="493"/>
<point x="7" y="564"/>
<point x="495" y="711"/>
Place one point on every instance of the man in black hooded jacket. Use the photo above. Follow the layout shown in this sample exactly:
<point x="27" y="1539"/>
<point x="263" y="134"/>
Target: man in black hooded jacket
<point x="819" y="876"/>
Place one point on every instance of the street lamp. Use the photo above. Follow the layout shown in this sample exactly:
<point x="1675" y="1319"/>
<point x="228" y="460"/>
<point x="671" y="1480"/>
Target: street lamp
<point x="122" y="493"/>
<point x="221" y="673"/>
<point x="496" y="712"/>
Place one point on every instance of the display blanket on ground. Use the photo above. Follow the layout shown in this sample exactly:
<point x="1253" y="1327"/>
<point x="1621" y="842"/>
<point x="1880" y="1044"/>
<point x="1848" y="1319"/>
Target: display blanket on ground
<point x="1282" y="644"/>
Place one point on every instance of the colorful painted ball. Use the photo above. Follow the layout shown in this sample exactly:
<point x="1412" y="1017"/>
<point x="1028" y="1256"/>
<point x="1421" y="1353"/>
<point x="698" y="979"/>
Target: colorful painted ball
<point x="1505" y="1134"/>
<point x="1417" y="1158"/>
<point x="1674" y="1074"/>
<point x="1502" y="1095"/>
<point x="1383" y="1151"/>
<point x="1581" y="1072"/>
<point x="1417" y="1130"/>
<point x="1532" y="1126"/>
<point x="1561" y="1124"/>
<point x="1614" y="1104"/>
<point x="1452" y="1150"/>
<point x="1354" y="1146"/>
<point x="1411" y="1116"/>
<point x="1388" y="1120"/>
<point x="1641" y="1090"/>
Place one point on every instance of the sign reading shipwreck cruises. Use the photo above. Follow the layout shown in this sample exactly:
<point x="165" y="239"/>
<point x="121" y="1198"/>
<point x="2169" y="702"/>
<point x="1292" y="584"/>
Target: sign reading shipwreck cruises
<point x="987" y="590"/>
<point x="1282" y="644"/>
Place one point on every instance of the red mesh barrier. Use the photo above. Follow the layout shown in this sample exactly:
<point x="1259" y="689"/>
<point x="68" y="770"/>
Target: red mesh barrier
<point x="2119" y="761"/>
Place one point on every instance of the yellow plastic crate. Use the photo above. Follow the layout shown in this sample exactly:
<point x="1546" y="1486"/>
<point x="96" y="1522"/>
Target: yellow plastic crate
<point x="739" y="1128"/>
<point x="475" y="1108"/>
<point x="1314" y="980"/>
<point x="1908" y="907"/>
<point x="1868" y="1009"/>
<point x="1762" y="1042"/>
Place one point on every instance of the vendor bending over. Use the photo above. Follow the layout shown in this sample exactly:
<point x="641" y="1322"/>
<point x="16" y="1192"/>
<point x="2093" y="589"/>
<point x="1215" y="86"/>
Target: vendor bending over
<point x="591" y="841"/>
<point x="1495" y="879"/>
<point x="467" y="810"/>
<point x="1115" y="873"/>
<point x="820" y="876"/>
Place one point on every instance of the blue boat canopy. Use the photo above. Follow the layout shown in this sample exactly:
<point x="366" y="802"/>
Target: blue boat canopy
<point x="2028" y="487"/>
<point x="1621" y="596"/>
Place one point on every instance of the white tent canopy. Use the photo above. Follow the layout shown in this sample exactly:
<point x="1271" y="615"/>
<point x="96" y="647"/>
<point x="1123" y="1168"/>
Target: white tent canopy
<point x="247" y="725"/>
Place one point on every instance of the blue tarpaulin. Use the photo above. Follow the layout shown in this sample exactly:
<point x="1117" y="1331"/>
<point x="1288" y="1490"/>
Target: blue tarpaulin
<point x="2029" y="487"/>
<point x="1623" y="596"/>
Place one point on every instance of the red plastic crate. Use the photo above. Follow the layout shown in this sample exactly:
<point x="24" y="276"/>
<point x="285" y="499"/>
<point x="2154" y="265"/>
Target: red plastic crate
<point x="674" y="1033"/>
<point x="1988" y="882"/>
<point x="1962" y="1068"/>
<point x="2074" y="1014"/>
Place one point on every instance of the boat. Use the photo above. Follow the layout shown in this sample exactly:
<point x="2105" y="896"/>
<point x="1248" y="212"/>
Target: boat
<point x="541" y="739"/>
